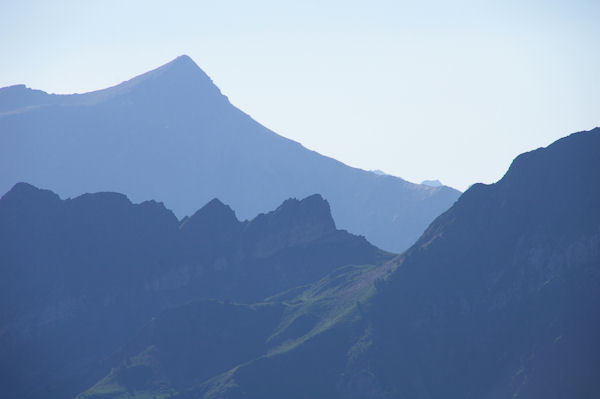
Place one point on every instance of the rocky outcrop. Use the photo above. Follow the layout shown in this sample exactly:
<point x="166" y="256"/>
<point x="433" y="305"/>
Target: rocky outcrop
<point x="79" y="276"/>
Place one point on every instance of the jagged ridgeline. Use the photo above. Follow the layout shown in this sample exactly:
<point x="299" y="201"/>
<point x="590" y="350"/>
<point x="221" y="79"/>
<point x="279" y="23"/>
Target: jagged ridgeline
<point x="82" y="279"/>
<point x="170" y="135"/>
<point x="105" y="299"/>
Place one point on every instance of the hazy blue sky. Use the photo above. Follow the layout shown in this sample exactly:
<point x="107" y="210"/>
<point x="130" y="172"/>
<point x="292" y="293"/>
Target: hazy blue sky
<point x="420" y="89"/>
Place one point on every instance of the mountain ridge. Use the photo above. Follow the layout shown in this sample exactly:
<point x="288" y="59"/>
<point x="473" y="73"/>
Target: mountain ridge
<point x="182" y="69"/>
<point x="171" y="135"/>
<point x="496" y="299"/>
<point x="499" y="294"/>
<point x="79" y="277"/>
<point x="510" y="270"/>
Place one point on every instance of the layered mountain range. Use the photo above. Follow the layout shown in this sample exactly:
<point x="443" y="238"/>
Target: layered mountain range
<point x="497" y="299"/>
<point x="80" y="277"/>
<point x="170" y="135"/>
<point x="102" y="298"/>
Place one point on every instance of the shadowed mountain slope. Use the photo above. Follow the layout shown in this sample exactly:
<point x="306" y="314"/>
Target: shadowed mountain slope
<point x="500" y="293"/>
<point x="171" y="135"/>
<point x="80" y="277"/>
<point x="293" y="345"/>
<point x="497" y="299"/>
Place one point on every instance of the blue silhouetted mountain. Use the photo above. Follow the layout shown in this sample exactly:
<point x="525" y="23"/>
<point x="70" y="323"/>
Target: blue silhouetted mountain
<point x="497" y="299"/>
<point x="79" y="277"/>
<point x="171" y="135"/>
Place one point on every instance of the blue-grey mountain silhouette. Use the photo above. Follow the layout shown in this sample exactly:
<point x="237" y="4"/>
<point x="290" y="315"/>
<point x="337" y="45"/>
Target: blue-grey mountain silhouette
<point x="170" y="135"/>
<point x="80" y="277"/>
<point x="497" y="299"/>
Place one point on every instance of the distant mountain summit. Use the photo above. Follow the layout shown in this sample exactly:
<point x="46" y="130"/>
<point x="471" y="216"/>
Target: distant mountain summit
<point x="171" y="135"/>
<point x="182" y="76"/>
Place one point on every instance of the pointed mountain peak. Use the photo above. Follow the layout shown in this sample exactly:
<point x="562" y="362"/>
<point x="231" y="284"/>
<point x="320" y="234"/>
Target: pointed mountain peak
<point x="183" y="60"/>
<point x="23" y="187"/>
<point x="179" y="80"/>
<point x="215" y="205"/>
<point x="22" y="191"/>
<point x="212" y="214"/>
<point x="182" y="65"/>
<point x="313" y="207"/>
<point x="295" y="222"/>
<point x="311" y="214"/>
<point x="24" y="197"/>
<point x="180" y="71"/>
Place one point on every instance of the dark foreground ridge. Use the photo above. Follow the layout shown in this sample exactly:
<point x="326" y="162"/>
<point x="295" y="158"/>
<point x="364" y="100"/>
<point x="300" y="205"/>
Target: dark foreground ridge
<point x="79" y="278"/>
<point x="171" y="135"/>
<point x="500" y="292"/>
<point x="496" y="299"/>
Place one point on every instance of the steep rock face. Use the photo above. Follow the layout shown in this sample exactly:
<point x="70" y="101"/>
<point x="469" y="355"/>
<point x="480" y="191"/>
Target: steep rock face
<point x="293" y="223"/>
<point x="79" y="276"/>
<point x="499" y="292"/>
<point x="497" y="299"/>
<point x="171" y="135"/>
